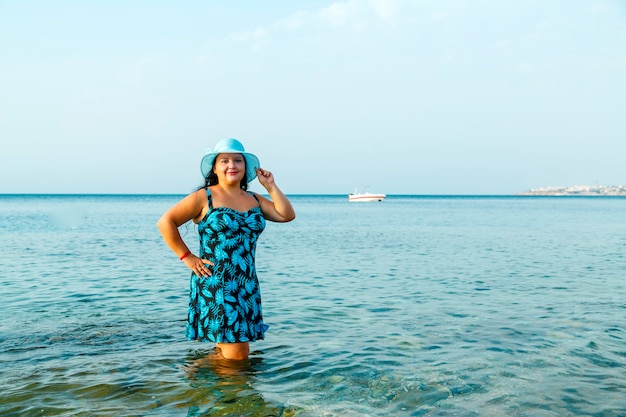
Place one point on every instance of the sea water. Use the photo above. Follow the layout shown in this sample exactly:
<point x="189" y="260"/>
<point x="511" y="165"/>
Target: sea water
<point x="414" y="306"/>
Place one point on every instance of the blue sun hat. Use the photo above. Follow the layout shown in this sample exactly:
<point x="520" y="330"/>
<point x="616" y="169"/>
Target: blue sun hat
<point x="230" y="145"/>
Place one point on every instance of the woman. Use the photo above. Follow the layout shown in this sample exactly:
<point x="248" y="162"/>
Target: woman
<point x="225" y="298"/>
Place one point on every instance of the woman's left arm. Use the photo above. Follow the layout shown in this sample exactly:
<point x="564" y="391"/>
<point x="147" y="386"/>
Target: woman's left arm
<point x="279" y="208"/>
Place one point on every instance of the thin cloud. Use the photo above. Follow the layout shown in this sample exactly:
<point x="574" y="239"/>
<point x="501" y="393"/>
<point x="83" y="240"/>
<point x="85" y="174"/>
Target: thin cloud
<point x="357" y="13"/>
<point x="338" y="14"/>
<point x="384" y="9"/>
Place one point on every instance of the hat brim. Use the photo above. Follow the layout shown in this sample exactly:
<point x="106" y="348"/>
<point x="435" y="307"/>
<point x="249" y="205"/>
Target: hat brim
<point x="252" y="163"/>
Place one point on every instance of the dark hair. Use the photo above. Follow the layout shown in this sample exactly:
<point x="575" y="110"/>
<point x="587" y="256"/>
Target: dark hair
<point x="211" y="178"/>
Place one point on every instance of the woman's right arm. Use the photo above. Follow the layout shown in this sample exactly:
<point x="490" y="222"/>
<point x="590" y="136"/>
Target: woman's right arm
<point x="190" y="207"/>
<point x="186" y="209"/>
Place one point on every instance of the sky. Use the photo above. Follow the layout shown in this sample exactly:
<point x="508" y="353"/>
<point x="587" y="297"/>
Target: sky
<point x="402" y="96"/>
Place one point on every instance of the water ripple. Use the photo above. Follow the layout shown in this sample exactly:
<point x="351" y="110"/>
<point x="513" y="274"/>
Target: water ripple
<point x="422" y="307"/>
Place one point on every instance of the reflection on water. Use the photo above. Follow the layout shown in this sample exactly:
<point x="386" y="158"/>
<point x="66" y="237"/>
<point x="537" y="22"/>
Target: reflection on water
<point x="225" y="387"/>
<point x="231" y="388"/>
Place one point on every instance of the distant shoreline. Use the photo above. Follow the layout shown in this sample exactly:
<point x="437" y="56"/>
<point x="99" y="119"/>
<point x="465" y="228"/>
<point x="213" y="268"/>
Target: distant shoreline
<point x="579" y="190"/>
<point x="572" y="191"/>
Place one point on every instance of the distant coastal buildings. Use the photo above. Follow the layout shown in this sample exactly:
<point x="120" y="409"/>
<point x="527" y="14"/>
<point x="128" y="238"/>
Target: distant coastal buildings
<point x="581" y="190"/>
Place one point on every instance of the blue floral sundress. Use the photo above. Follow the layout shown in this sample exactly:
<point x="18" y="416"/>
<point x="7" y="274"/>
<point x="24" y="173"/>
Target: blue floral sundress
<point x="226" y="307"/>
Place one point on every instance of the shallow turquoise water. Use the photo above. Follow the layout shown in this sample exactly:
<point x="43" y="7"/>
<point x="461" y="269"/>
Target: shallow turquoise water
<point x="416" y="306"/>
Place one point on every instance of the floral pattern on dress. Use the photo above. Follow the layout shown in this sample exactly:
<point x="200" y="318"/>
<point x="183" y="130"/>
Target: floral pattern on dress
<point x="226" y="306"/>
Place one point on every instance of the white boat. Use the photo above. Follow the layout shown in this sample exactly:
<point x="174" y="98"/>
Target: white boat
<point x="365" y="197"/>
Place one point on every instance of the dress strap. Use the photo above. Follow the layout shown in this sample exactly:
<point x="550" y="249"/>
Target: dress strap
<point x="254" y="195"/>
<point x="208" y="194"/>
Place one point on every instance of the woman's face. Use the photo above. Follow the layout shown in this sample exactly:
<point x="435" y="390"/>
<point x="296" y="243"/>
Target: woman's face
<point x="230" y="167"/>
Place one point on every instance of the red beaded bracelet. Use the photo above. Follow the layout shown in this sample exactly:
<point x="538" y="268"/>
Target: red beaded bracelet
<point x="185" y="255"/>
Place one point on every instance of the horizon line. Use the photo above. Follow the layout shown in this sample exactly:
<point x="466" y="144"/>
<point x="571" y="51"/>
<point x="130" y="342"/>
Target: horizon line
<point x="518" y="194"/>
